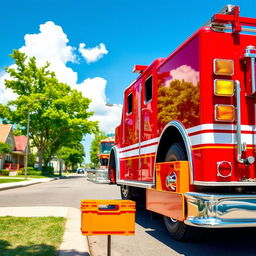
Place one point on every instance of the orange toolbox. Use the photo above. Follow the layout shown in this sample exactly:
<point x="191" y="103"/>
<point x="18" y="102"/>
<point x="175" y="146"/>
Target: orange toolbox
<point x="108" y="217"/>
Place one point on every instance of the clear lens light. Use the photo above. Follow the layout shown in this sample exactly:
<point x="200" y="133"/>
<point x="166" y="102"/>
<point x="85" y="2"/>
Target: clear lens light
<point x="223" y="67"/>
<point x="224" y="113"/>
<point x="223" y="87"/>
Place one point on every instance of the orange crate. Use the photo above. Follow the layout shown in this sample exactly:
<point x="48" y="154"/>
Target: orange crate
<point x="107" y="217"/>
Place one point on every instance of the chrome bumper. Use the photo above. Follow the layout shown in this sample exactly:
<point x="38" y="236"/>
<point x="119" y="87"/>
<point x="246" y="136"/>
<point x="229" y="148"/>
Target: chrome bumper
<point x="220" y="210"/>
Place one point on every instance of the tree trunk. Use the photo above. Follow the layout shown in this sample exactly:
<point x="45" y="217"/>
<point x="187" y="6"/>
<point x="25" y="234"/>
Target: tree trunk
<point x="66" y="167"/>
<point x="40" y="159"/>
<point x="46" y="162"/>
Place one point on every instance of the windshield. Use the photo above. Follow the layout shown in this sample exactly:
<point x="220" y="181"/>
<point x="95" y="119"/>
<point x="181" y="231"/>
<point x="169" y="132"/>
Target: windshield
<point x="105" y="147"/>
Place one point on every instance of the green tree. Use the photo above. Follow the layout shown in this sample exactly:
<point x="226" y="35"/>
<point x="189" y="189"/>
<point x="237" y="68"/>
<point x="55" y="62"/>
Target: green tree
<point x="4" y="148"/>
<point x="72" y="155"/>
<point x="95" y="148"/>
<point x="57" y="114"/>
<point x="179" y="101"/>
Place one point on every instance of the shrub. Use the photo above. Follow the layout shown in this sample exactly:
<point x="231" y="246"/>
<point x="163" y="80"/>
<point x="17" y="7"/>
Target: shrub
<point x="30" y="171"/>
<point x="4" y="172"/>
<point x="48" y="171"/>
<point x="36" y="173"/>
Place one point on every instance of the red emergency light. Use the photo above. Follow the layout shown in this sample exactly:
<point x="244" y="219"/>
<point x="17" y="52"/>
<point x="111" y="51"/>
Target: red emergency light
<point x="139" y="68"/>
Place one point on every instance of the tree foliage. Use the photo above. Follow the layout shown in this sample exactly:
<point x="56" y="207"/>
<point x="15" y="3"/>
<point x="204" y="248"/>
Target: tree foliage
<point x="95" y="148"/>
<point x="179" y="101"/>
<point x="72" y="155"/>
<point x="4" y="148"/>
<point x="57" y="114"/>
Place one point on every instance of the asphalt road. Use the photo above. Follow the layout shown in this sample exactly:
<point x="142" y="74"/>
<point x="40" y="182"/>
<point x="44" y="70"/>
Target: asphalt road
<point x="151" y="238"/>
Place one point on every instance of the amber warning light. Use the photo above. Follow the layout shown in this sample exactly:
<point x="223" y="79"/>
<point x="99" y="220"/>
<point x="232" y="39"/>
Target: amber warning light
<point x="223" y="87"/>
<point x="223" y="67"/>
<point x="224" y="113"/>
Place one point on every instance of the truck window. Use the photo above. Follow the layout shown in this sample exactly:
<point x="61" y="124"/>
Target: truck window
<point x="148" y="89"/>
<point x="129" y="103"/>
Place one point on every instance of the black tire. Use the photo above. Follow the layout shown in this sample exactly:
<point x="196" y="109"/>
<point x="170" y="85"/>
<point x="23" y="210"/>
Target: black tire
<point x="135" y="194"/>
<point x="178" y="229"/>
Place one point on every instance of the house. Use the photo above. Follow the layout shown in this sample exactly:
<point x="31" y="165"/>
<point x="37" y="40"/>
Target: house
<point x="18" y="144"/>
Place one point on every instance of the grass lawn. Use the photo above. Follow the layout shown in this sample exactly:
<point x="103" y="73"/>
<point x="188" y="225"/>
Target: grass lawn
<point x="26" y="236"/>
<point x="10" y="180"/>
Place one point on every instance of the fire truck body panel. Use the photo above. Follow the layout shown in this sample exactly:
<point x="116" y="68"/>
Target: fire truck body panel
<point x="200" y="100"/>
<point x="143" y="126"/>
<point x="213" y="142"/>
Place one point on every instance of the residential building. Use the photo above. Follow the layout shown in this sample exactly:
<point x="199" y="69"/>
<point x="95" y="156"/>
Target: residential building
<point x="18" y="144"/>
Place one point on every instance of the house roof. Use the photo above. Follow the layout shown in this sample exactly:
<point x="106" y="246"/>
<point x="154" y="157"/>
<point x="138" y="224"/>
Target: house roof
<point x="4" y="131"/>
<point x="20" y="142"/>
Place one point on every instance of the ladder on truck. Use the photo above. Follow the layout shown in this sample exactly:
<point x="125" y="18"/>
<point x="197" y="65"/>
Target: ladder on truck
<point x="228" y="19"/>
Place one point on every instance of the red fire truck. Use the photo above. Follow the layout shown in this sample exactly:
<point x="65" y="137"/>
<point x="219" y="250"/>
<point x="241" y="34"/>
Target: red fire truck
<point x="105" y="147"/>
<point x="187" y="133"/>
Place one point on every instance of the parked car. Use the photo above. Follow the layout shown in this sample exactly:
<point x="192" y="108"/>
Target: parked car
<point x="80" y="170"/>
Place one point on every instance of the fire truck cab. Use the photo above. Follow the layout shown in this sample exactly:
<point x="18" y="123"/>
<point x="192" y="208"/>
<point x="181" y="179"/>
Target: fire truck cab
<point x="105" y="147"/>
<point x="187" y="133"/>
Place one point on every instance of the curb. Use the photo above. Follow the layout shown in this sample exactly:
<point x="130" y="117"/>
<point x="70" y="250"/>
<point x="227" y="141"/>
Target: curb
<point x="19" y="184"/>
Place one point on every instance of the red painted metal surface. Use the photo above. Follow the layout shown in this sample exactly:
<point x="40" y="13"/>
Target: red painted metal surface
<point x="183" y="91"/>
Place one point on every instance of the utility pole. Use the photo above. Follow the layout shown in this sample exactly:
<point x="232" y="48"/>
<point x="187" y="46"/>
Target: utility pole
<point x="27" y="148"/>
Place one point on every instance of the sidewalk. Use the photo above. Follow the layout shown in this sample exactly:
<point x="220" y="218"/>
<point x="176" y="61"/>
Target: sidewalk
<point x="25" y="183"/>
<point x="74" y="244"/>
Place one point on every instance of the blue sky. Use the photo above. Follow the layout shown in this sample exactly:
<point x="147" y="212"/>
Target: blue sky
<point x="132" y="32"/>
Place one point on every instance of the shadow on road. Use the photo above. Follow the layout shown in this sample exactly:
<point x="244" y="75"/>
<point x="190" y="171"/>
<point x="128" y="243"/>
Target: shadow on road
<point x="238" y="241"/>
<point x="35" y="250"/>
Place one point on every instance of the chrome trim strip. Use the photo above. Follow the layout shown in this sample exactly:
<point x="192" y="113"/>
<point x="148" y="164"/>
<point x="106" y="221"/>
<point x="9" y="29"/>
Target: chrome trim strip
<point x="249" y="53"/>
<point x="239" y="134"/>
<point x="116" y="154"/>
<point x="221" y="28"/>
<point x="187" y="142"/>
<point x="140" y="184"/>
<point x="227" y="183"/>
<point x="253" y="75"/>
<point x="241" y="146"/>
<point x="220" y="210"/>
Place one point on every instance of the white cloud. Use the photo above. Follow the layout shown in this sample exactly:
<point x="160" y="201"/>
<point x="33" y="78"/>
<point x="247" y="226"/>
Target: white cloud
<point x="5" y="94"/>
<point x="186" y="73"/>
<point x="92" y="54"/>
<point x="108" y="116"/>
<point x="51" y="44"/>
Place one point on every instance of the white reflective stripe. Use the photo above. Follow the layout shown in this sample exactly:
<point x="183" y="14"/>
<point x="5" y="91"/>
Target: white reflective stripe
<point x="143" y="151"/>
<point x="149" y="141"/>
<point x="148" y="150"/>
<point x="130" y="147"/>
<point x="143" y="143"/>
<point x="198" y="139"/>
<point x="131" y="153"/>
<point x="228" y="127"/>
<point x="219" y="138"/>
